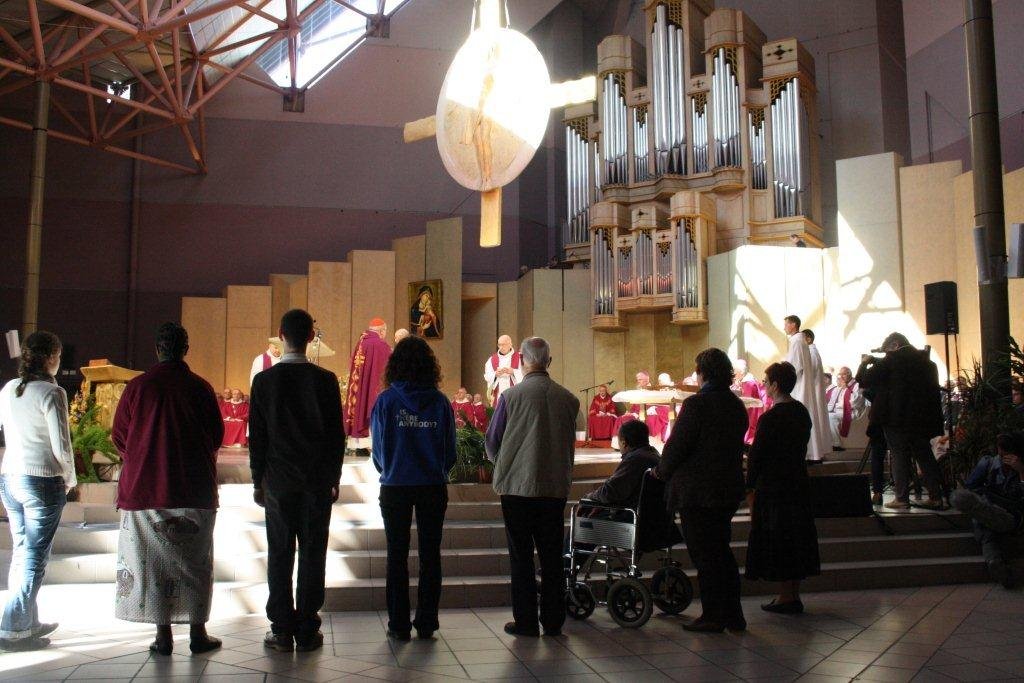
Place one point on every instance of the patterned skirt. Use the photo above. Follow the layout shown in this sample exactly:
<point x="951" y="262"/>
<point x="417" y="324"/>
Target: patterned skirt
<point x="165" y="566"/>
<point x="783" y="543"/>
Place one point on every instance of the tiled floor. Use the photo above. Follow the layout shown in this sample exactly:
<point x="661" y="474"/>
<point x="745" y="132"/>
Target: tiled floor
<point x="966" y="633"/>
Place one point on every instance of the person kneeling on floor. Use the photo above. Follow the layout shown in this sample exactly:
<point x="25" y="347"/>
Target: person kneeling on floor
<point x="993" y="496"/>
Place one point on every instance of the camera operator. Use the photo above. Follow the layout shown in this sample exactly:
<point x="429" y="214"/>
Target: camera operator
<point x="993" y="496"/>
<point x="908" y="407"/>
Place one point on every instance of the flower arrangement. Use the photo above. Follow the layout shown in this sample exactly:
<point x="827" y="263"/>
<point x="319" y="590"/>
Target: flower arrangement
<point x="88" y="437"/>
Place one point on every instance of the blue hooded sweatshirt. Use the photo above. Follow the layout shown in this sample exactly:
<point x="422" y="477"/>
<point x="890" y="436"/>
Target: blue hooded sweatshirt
<point x="413" y="430"/>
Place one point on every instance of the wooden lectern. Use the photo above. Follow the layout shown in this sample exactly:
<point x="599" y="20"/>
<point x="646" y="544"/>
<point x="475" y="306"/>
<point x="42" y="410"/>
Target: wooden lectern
<point x="106" y="382"/>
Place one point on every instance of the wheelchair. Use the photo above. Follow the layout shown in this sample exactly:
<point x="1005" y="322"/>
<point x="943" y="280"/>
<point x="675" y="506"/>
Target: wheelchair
<point x="613" y="541"/>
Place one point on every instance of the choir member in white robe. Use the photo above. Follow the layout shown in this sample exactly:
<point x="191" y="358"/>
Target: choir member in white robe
<point x="807" y="382"/>
<point x="822" y="431"/>
<point x="503" y="370"/>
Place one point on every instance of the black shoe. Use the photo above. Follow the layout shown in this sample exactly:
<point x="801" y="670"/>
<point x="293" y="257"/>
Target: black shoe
<point x="789" y="607"/>
<point x="424" y="634"/>
<point x="513" y="630"/>
<point x="281" y="642"/>
<point x="309" y="642"/>
<point x="162" y="647"/>
<point x="838" y="449"/>
<point x="737" y="624"/>
<point x="207" y="644"/>
<point x="24" y="644"/>
<point x="702" y="626"/>
<point x="399" y="635"/>
<point x="1001" y="572"/>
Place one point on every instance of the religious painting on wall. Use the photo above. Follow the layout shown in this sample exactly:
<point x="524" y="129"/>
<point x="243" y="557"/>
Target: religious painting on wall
<point x="426" y="309"/>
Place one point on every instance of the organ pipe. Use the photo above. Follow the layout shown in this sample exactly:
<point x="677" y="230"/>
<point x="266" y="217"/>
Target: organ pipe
<point x="577" y="147"/>
<point x="667" y="95"/>
<point x="788" y="149"/>
<point x="700" y="133"/>
<point x="725" y="102"/>
<point x="613" y="131"/>
<point x="758" y="169"/>
<point x="640" y="119"/>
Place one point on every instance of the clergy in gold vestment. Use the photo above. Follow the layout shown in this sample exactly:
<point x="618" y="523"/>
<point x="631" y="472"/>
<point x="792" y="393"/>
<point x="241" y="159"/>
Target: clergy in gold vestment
<point x="368" y="360"/>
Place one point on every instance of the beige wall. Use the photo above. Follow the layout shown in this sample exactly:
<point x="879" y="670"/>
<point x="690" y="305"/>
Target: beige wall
<point x="479" y="330"/>
<point x="248" y="328"/>
<point x="410" y="261"/>
<point x="286" y="292"/>
<point x="938" y="220"/>
<point x="444" y="262"/>
<point x="372" y="272"/>
<point x="330" y="304"/>
<point x="205" y="319"/>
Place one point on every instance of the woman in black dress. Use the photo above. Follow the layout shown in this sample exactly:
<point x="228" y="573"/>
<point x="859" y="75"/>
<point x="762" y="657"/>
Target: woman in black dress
<point x="783" y="543"/>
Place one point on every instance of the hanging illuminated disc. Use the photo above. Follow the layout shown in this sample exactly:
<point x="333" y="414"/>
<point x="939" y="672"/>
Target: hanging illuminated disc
<point x="493" y="108"/>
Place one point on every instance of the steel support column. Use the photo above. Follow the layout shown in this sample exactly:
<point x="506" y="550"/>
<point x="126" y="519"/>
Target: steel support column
<point x="986" y="162"/>
<point x="37" y="179"/>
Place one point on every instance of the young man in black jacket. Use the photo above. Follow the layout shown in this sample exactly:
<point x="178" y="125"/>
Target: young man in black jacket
<point x="296" y="445"/>
<point x="907" y="404"/>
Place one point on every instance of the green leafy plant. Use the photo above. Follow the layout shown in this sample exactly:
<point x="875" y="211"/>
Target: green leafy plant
<point x="88" y="436"/>
<point x="470" y="455"/>
<point x="985" y="412"/>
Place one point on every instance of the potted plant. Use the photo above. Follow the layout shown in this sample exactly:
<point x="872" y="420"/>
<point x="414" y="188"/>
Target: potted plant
<point x="985" y="412"/>
<point x="471" y="464"/>
<point x="90" y="439"/>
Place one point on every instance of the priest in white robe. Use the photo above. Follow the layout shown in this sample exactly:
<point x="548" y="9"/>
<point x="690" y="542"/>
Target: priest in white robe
<point x="807" y="386"/>
<point x="265" y="361"/>
<point x="503" y="370"/>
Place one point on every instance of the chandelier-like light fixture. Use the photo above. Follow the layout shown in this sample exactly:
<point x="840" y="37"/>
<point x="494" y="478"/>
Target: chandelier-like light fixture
<point x="493" y="110"/>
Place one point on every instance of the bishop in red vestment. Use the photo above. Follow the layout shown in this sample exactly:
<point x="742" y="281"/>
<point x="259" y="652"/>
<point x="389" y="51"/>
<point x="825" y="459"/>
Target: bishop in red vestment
<point x="463" y="408"/>
<point x="364" y="375"/>
<point x="603" y="415"/>
<point x="744" y="384"/>
<point x="479" y="413"/>
<point x="235" y="414"/>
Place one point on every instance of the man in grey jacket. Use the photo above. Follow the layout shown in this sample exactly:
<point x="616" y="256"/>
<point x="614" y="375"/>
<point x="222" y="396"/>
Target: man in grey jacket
<point x="531" y="439"/>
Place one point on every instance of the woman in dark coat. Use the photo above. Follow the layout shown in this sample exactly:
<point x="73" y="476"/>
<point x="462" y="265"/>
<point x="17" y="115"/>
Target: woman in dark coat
<point x="783" y="543"/>
<point x="702" y="464"/>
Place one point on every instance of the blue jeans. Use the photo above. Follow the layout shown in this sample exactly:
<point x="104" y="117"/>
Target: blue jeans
<point x="33" y="507"/>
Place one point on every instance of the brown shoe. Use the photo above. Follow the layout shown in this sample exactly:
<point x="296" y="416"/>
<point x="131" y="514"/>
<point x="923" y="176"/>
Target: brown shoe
<point x="876" y="498"/>
<point x="897" y="505"/>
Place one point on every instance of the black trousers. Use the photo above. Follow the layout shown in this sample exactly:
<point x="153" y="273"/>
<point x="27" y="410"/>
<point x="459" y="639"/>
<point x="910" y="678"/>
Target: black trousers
<point x="907" y="449"/>
<point x="536" y="523"/>
<point x="707" y="532"/>
<point x="397" y="504"/>
<point x="303" y="518"/>
<point x="879" y="448"/>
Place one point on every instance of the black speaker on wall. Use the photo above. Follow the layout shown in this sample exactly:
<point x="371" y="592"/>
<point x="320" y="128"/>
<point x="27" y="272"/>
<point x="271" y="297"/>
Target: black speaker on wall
<point x="941" y="314"/>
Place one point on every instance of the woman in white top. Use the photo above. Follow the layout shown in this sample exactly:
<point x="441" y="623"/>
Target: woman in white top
<point x="38" y="470"/>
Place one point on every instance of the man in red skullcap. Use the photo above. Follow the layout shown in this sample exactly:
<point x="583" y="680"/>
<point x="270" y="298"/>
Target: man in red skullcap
<point x="365" y="370"/>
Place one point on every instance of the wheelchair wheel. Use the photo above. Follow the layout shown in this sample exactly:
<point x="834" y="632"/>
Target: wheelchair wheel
<point x="672" y="590"/>
<point x="630" y="603"/>
<point x="580" y="601"/>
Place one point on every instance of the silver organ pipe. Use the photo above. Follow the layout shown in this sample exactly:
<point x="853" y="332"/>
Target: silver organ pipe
<point x="687" y="266"/>
<point x="725" y="101"/>
<point x="644" y="263"/>
<point x="663" y="267"/>
<point x="640" y="119"/>
<point x="601" y="255"/>
<point x="758" y="170"/>
<point x="624" y="271"/>
<point x="788" y="148"/>
<point x="700" y="133"/>
<point x="613" y="128"/>
<point x="578" y="183"/>
<point x="667" y="98"/>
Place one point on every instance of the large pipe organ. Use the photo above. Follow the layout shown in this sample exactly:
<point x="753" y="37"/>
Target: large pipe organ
<point x="700" y="143"/>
